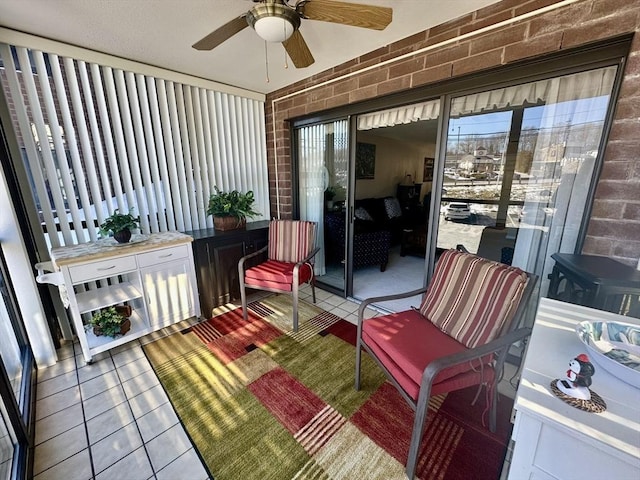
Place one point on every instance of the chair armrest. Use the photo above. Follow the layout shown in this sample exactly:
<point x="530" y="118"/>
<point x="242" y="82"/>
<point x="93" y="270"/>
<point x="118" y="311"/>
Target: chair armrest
<point x="251" y="255"/>
<point x="366" y="302"/>
<point x="471" y="354"/>
<point x="309" y="257"/>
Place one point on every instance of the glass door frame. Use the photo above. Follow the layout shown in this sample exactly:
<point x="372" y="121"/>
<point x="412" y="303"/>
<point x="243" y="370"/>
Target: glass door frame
<point x="439" y="166"/>
<point x="599" y="53"/>
<point x="21" y="410"/>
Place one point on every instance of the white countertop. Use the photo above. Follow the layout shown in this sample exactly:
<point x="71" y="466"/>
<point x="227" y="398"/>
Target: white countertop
<point x="553" y="344"/>
<point x="108" y="247"/>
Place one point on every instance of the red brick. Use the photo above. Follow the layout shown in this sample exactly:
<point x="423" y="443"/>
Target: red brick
<point x="395" y="85"/>
<point x="363" y="93"/>
<point x="375" y="76"/>
<point x="596" y="30"/>
<point x="626" y="252"/>
<point x="498" y="38"/>
<point x="606" y="209"/>
<point x="617" y="190"/>
<point x="632" y="212"/>
<point x="602" y="8"/>
<point x="614" y="229"/>
<point x="628" y="109"/>
<point x="407" y="67"/>
<point x="412" y="42"/>
<point x="487" y="21"/>
<point x="374" y="54"/>
<point x="337" y="100"/>
<point x="447" y="54"/>
<point x="454" y="25"/>
<point x="346" y="85"/>
<point x="537" y="46"/>
<point x="494" y="8"/>
<point x="560" y="19"/>
<point x="621" y="151"/>
<point x="597" y="246"/>
<point x="623" y="129"/>
<point x="532" y="6"/>
<point x="616" y="171"/>
<point x="631" y="82"/>
<point x="442" y="37"/>
<point x="431" y="75"/>
<point x="478" y="62"/>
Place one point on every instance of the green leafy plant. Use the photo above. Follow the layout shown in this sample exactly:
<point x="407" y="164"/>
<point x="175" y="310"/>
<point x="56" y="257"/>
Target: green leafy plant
<point x="119" y="222"/>
<point x="330" y="193"/>
<point x="107" y="322"/>
<point x="231" y="204"/>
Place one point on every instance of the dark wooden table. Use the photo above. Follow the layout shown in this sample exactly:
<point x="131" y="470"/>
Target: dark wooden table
<point x="597" y="282"/>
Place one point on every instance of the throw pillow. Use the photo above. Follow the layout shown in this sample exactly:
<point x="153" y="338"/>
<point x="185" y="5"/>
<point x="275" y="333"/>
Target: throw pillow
<point x="392" y="206"/>
<point x="362" y="214"/>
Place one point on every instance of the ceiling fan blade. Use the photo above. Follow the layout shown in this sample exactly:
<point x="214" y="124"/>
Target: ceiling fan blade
<point x="221" y="34"/>
<point x="354" y="14"/>
<point x="298" y="50"/>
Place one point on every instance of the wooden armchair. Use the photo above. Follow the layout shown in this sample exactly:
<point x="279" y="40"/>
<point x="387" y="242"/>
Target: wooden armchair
<point x="290" y="252"/>
<point x="459" y="337"/>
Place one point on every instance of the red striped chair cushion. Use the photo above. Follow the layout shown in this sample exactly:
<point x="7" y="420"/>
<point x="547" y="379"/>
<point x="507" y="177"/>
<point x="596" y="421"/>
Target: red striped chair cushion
<point x="291" y="240"/>
<point x="272" y="274"/>
<point x="471" y="298"/>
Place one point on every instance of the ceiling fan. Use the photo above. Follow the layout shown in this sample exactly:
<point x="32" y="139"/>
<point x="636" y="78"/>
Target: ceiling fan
<point x="279" y="21"/>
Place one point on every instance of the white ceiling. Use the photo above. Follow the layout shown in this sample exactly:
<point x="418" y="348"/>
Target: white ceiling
<point x="161" y="32"/>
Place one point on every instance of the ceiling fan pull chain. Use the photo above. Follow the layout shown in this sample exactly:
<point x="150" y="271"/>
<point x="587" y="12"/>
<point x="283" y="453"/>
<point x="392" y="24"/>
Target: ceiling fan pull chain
<point x="266" y="60"/>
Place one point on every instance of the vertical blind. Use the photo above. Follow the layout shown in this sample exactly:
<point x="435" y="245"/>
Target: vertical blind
<point x="96" y="138"/>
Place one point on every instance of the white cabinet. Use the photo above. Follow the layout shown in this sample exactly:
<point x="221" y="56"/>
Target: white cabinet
<point x="156" y="277"/>
<point x="553" y="440"/>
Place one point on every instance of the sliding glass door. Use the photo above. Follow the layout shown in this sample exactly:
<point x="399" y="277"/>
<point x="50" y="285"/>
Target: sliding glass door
<point x="323" y="179"/>
<point x="519" y="167"/>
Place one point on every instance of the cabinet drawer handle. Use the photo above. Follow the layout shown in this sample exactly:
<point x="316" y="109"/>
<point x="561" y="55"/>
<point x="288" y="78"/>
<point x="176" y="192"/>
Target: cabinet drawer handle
<point x="166" y="255"/>
<point x="106" y="268"/>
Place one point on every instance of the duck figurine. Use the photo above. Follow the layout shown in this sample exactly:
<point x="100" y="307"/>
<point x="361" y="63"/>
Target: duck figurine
<point x="578" y="378"/>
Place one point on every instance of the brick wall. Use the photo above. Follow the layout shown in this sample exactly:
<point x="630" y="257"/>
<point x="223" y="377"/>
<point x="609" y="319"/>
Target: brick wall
<point x="614" y="226"/>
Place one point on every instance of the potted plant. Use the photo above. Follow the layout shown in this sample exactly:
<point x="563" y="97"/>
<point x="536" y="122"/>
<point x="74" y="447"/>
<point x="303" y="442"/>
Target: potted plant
<point x="119" y="225"/>
<point x="109" y="322"/>
<point x="230" y="209"/>
<point x="329" y="195"/>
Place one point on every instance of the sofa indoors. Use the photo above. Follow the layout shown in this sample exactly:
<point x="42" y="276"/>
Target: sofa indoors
<point x="379" y="224"/>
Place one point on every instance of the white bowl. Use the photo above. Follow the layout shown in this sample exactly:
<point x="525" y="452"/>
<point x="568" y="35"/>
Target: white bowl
<point x="614" y="346"/>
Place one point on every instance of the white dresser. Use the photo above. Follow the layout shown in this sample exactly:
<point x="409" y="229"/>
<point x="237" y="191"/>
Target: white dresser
<point x="154" y="275"/>
<point x="554" y="440"/>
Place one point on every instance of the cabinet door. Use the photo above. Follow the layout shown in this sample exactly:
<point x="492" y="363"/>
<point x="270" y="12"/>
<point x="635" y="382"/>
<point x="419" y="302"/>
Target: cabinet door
<point x="168" y="292"/>
<point x="225" y="261"/>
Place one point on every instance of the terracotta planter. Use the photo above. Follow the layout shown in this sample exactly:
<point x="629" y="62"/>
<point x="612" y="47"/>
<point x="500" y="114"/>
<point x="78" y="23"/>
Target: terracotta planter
<point x="229" y="223"/>
<point x="124" y="328"/>
<point x="124" y="310"/>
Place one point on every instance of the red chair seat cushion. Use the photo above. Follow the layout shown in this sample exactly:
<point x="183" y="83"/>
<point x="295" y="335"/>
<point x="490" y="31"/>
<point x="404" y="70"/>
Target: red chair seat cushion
<point x="276" y="275"/>
<point x="405" y="343"/>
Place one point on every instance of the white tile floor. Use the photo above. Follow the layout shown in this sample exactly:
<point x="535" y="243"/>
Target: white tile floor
<point x="113" y="420"/>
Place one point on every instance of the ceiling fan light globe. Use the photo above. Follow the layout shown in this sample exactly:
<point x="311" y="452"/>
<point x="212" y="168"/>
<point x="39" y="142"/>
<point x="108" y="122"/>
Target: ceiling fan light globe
<point x="273" y="21"/>
<point x="273" y="29"/>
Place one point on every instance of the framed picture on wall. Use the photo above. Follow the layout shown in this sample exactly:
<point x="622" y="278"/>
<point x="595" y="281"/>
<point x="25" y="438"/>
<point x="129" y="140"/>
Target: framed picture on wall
<point x="428" y="169"/>
<point x="365" y="160"/>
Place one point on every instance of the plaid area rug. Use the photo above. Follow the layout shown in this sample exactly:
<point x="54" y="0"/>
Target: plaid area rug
<point x="260" y="402"/>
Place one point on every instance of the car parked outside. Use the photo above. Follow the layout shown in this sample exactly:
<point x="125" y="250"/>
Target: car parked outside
<point x="457" y="211"/>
